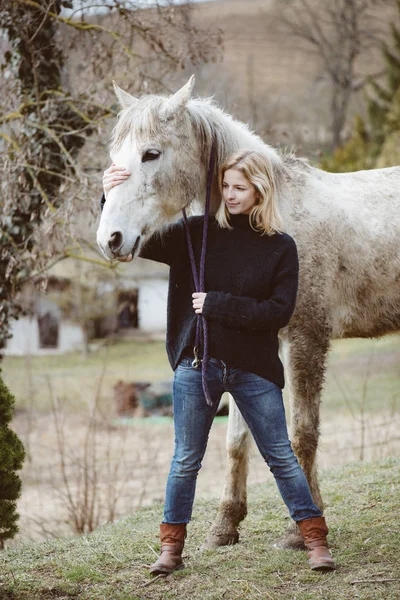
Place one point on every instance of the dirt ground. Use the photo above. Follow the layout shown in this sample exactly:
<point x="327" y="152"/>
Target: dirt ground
<point x="126" y="464"/>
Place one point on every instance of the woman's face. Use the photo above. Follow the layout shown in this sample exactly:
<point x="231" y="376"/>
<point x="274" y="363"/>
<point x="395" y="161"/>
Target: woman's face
<point x="238" y="194"/>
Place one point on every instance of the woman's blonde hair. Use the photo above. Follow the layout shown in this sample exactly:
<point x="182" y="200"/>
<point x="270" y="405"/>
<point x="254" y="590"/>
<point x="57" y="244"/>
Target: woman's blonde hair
<point x="257" y="169"/>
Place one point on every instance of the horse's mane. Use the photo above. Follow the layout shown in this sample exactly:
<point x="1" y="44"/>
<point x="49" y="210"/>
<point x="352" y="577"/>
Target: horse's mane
<point x="210" y="122"/>
<point x="142" y="118"/>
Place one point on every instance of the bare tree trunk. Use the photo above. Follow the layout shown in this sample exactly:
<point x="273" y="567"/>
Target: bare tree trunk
<point x="252" y="100"/>
<point x="339" y="31"/>
<point x="339" y="107"/>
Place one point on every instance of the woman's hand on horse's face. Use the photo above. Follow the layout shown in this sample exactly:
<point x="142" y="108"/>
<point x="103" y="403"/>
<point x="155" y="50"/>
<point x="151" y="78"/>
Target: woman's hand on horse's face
<point x="114" y="176"/>
<point x="198" y="301"/>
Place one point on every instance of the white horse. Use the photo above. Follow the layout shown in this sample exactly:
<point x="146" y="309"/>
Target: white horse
<point x="346" y="227"/>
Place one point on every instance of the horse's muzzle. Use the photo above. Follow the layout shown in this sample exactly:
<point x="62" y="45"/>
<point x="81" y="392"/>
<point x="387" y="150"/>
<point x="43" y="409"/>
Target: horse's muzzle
<point x="116" y="243"/>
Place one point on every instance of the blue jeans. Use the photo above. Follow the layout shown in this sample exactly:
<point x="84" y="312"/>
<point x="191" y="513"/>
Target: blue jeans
<point x="261" y="405"/>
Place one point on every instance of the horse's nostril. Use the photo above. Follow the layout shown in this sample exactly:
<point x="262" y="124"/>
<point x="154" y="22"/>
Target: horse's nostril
<point x="115" y="242"/>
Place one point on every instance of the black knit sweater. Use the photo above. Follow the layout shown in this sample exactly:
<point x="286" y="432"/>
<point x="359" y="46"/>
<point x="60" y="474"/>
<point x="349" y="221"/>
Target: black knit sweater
<point x="251" y="283"/>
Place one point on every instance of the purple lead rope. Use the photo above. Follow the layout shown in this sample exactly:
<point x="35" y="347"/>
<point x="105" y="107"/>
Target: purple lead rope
<point x="199" y="281"/>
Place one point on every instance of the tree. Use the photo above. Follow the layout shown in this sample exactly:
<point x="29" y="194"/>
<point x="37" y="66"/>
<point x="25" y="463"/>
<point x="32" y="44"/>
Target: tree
<point x="375" y="141"/>
<point x="41" y="141"/>
<point x="47" y="119"/>
<point x="339" y="31"/>
<point x="354" y="155"/>
<point x="384" y="105"/>
<point x="11" y="458"/>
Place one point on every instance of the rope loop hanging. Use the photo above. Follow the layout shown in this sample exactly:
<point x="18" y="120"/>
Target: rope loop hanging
<point x="198" y="279"/>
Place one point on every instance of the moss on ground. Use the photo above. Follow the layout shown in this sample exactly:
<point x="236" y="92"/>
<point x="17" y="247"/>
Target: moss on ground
<point x="363" y="507"/>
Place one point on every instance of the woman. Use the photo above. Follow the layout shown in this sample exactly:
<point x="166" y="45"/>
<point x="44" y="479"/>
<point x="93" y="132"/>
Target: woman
<point x="251" y="282"/>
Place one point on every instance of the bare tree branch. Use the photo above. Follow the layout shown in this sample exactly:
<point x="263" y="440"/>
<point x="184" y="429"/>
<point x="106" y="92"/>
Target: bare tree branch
<point x="56" y="93"/>
<point x="338" y="31"/>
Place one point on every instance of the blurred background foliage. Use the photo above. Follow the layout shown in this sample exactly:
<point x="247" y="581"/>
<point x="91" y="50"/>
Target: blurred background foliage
<point x="375" y="141"/>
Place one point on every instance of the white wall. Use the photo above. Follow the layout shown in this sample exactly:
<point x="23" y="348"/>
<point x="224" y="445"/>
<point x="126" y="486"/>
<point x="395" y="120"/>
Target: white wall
<point x="70" y="337"/>
<point x="152" y="305"/>
<point x="25" y="338"/>
<point x="152" y="308"/>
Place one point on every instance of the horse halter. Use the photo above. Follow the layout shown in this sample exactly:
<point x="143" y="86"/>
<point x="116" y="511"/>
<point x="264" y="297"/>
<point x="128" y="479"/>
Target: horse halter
<point x="199" y="280"/>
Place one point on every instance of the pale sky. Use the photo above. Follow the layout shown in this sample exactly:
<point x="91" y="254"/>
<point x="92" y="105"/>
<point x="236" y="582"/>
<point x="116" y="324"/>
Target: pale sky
<point x="100" y="6"/>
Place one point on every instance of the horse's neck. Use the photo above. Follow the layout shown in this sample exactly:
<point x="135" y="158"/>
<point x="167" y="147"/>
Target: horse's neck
<point x="232" y="135"/>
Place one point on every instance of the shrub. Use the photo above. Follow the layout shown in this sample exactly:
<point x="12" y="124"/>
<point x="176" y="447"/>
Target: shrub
<point x="12" y="455"/>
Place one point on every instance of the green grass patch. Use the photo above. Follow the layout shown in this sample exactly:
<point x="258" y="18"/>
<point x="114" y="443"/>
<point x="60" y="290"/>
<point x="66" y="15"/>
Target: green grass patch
<point x="79" y="379"/>
<point x="361" y="374"/>
<point x="363" y="505"/>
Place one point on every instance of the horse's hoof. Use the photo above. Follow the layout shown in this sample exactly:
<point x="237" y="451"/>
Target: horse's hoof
<point x="291" y="540"/>
<point x="215" y="540"/>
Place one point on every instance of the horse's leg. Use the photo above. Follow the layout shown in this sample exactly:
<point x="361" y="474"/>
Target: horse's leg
<point x="233" y="505"/>
<point x="305" y="348"/>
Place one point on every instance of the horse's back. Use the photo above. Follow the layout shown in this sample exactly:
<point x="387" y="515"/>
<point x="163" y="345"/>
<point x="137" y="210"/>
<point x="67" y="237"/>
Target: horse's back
<point x="361" y="191"/>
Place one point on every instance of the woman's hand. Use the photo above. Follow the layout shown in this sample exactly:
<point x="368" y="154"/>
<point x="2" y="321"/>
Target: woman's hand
<point x="198" y="301"/>
<point x="114" y="176"/>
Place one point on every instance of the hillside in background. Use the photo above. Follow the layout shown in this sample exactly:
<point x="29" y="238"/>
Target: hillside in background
<point x="272" y="81"/>
<point x="261" y="75"/>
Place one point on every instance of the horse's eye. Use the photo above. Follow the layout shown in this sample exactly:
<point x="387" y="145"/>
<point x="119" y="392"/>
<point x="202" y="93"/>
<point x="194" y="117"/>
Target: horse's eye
<point x="150" y="155"/>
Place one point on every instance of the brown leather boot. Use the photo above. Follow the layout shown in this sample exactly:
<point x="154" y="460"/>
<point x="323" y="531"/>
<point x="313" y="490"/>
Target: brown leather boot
<point x="172" y="538"/>
<point x="314" y="532"/>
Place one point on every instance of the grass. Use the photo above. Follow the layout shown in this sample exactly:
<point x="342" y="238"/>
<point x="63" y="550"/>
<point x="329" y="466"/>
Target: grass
<point x="365" y="371"/>
<point x="363" y="504"/>
<point x="78" y="378"/>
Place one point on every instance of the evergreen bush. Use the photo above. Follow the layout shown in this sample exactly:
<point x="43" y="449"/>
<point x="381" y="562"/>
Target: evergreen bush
<point x="12" y="455"/>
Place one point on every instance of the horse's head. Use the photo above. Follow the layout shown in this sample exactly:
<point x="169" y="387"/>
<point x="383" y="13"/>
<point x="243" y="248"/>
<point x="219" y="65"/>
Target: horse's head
<point x="155" y="140"/>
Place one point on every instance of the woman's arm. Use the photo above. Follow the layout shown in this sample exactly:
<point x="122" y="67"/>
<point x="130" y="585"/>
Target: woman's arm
<point x="164" y="246"/>
<point x="250" y="314"/>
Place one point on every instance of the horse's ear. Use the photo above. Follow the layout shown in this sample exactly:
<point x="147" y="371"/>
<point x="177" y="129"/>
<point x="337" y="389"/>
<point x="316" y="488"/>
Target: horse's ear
<point x="178" y="100"/>
<point x="124" y="98"/>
